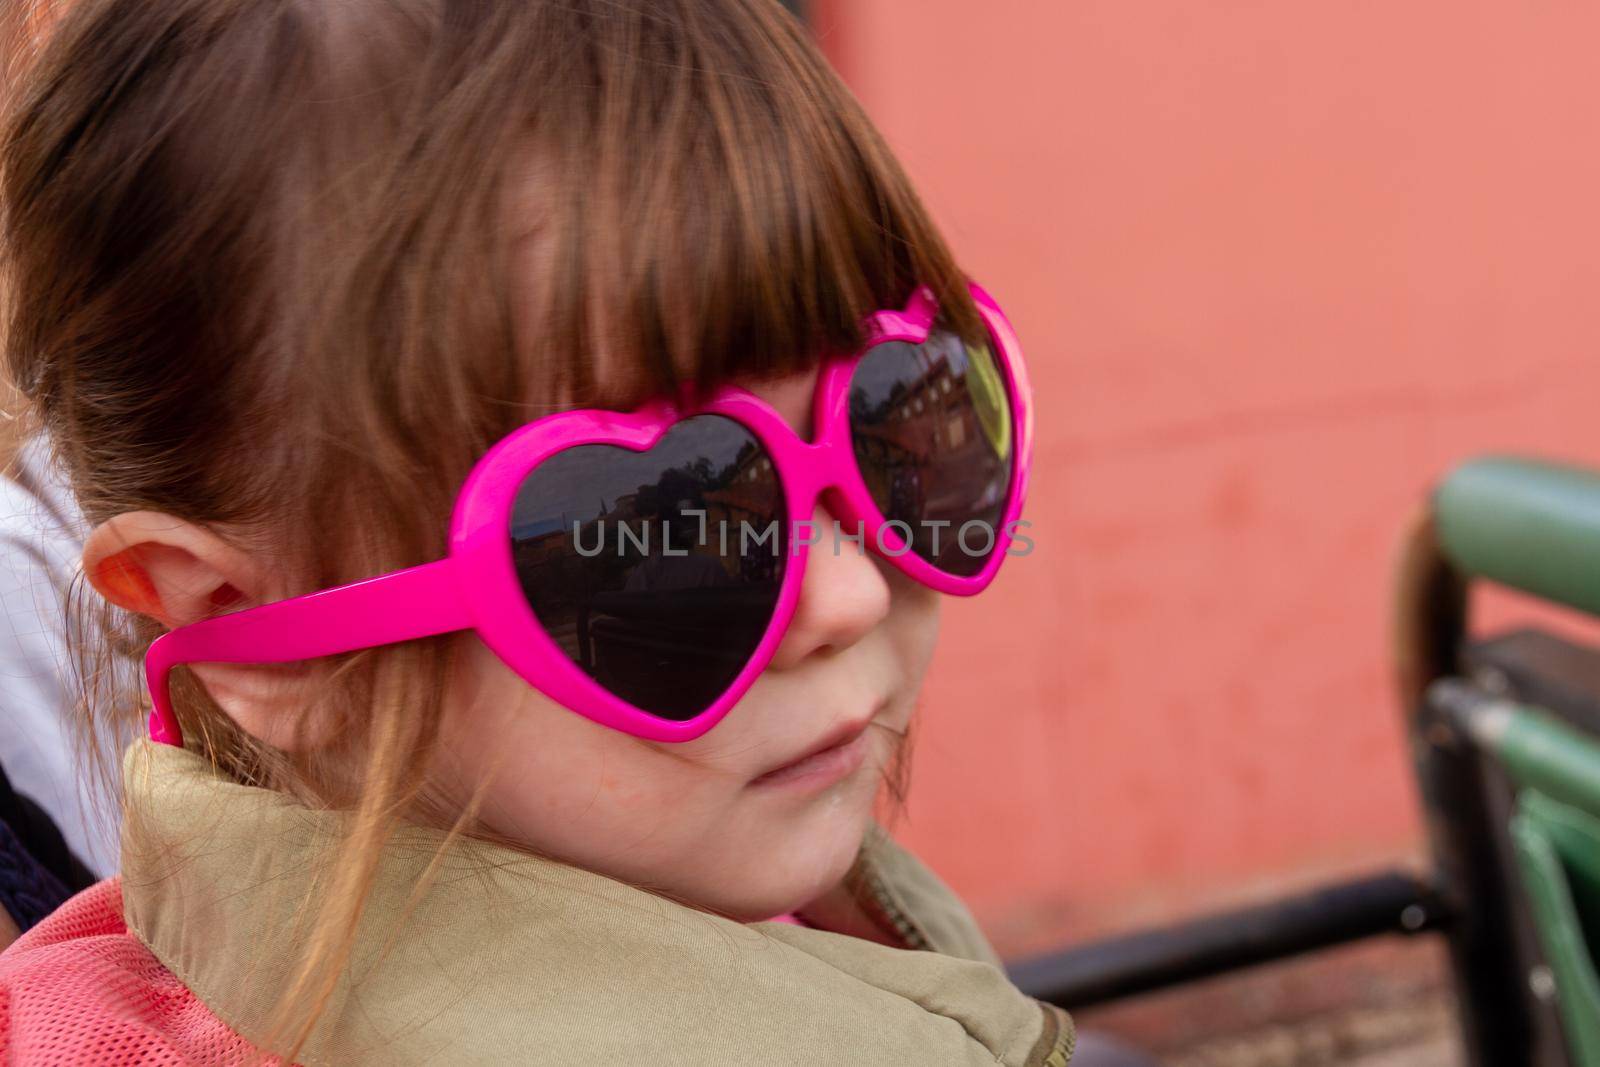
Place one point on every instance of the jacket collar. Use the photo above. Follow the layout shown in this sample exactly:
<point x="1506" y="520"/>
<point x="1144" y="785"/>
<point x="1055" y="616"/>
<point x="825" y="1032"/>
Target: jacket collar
<point x="509" y="957"/>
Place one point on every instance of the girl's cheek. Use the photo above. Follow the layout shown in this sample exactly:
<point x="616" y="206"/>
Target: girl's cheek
<point x="549" y="770"/>
<point x="914" y="619"/>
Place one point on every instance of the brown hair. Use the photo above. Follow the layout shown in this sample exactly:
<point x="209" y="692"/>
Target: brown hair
<point x="281" y="266"/>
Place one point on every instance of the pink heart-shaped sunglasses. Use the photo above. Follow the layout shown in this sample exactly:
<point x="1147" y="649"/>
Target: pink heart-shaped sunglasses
<point x="642" y="568"/>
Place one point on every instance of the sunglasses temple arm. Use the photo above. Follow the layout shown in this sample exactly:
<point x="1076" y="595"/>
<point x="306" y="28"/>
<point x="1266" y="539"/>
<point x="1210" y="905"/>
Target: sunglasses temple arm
<point x="418" y="602"/>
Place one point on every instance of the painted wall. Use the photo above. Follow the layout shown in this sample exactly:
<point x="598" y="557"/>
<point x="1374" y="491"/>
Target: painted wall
<point x="1277" y="266"/>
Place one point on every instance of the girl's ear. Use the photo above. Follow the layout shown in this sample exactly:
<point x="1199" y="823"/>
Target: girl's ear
<point x="177" y="573"/>
<point x="171" y="570"/>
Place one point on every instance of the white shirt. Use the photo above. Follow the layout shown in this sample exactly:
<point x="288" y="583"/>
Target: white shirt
<point x="41" y="540"/>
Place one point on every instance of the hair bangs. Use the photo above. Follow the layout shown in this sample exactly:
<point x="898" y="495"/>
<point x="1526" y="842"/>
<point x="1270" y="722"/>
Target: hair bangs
<point x="718" y="208"/>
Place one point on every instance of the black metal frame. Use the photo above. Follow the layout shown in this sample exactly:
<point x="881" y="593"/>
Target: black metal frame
<point x="1393" y="902"/>
<point x="1470" y="895"/>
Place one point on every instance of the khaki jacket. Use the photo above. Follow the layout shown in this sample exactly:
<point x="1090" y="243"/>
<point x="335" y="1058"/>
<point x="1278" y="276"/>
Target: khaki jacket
<point x="507" y="958"/>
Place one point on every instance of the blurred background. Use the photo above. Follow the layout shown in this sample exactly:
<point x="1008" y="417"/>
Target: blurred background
<point x="1277" y="266"/>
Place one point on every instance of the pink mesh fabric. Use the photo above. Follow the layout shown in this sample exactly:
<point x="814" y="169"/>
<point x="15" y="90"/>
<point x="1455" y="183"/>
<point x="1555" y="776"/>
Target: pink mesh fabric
<point x="80" y="989"/>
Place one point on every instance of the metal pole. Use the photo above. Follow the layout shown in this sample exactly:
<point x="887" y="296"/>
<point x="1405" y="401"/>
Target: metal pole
<point x="1392" y="902"/>
<point x="1495" y="1013"/>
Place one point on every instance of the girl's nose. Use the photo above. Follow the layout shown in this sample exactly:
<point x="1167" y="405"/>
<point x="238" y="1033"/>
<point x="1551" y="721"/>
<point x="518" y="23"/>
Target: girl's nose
<point x="843" y="597"/>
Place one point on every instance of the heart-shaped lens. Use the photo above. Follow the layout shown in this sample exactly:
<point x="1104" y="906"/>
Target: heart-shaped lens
<point x="656" y="572"/>
<point x="932" y="430"/>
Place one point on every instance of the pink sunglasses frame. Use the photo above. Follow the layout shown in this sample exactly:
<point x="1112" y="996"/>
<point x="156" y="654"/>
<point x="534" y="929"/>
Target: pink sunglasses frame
<point x="475" y="587"/>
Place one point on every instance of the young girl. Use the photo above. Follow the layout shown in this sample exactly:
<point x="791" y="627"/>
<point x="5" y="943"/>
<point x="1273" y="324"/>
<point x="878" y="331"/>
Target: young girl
<point x="533" y="426"/>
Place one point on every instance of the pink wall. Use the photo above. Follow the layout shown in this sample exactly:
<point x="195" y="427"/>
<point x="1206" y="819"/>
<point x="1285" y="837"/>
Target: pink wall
<point x="1277" y="266"/>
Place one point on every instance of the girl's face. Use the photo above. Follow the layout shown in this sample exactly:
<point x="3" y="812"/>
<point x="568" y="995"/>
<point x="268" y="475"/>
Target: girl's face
<point x="761" y="815"/>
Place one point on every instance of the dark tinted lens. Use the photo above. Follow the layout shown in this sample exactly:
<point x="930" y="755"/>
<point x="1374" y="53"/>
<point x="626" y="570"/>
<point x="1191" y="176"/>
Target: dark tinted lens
<point x="933" y="439"/>
<point x="656" y="572"/>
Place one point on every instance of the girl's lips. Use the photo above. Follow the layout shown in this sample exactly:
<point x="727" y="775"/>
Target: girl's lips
<point x="836" y="758"/>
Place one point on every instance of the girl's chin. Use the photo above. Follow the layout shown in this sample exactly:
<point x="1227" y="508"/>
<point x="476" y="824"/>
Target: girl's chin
<point x="791" y="869"/>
